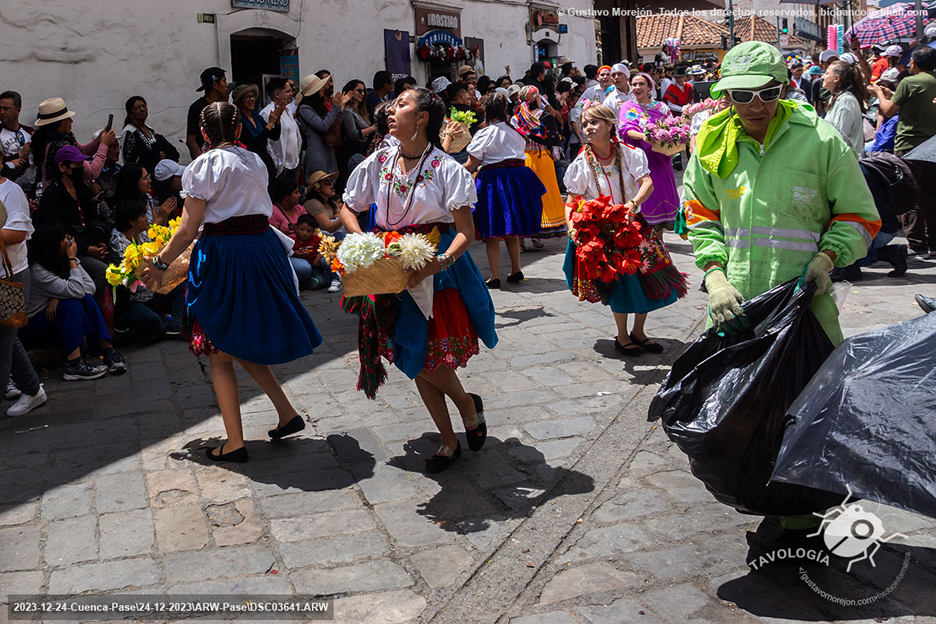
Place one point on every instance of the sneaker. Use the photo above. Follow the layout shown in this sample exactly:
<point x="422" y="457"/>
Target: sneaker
<point x="115" y="363"/>
<point x="12" y="391"/>
<point x="82" y="371"/>
<point x="335" y="286"/>
<point x="28" y="403"/>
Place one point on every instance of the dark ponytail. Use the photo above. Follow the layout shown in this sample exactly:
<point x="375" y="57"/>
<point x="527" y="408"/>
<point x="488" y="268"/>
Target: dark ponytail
<point x="852" y="80"/>
<point x="220" y="121"/>
<point x="495" y="107"/>
<point x="429" y="102"/>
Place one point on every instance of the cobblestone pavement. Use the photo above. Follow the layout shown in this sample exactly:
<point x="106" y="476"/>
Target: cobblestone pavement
<point x="577" y="510"/>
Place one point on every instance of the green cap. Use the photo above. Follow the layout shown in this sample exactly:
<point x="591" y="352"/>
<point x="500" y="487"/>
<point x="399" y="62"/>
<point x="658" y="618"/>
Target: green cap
<point x="750" y="65"/>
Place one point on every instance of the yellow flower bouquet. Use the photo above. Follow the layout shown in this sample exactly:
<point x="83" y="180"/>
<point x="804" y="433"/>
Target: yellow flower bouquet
<point x="134" y="259"/>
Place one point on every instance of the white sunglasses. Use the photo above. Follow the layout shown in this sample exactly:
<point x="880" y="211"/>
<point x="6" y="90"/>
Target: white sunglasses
<point x="746" y="96"/>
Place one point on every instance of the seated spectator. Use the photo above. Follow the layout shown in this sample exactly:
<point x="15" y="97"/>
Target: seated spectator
<point x="16" y="142"/>
<point x="168" y="182"/>
<point x="61" y="309"/>
<point x="142" y="144"/>
<point x="68" y="202"/>
<point x="107" y="181"/>
<point x="134" y="182"/>
<point x="138" y="307"/>
<point x="17" y="374"/>
<point x="256" y="132"/>
<point x="305" y="249"/>
<point x="285" y="216"/>
<point x="54" y="130"/>
<point x="323" y="206"/>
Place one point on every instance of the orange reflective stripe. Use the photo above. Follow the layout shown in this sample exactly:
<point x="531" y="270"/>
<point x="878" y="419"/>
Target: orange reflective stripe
<point x="697" y="213"/>
<point x="871" y="226"/>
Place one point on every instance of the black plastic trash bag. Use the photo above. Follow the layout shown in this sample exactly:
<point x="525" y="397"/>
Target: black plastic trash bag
<point x="724" y="402"/>
<point x="868" y="420"/>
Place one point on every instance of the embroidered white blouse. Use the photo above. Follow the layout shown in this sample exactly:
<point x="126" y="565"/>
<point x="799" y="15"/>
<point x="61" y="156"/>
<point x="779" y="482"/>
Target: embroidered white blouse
<point x="497" y="143"/>
<point x="441" y="186"/>
<point x="580" y="179"/>
<point x="232" y="181"/>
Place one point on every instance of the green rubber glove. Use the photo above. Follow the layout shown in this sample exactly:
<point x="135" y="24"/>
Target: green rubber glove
<point x="724" y="303"/>
<point x="818" y="271"/>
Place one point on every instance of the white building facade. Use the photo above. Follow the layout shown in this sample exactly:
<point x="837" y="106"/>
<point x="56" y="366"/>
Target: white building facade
<point x="97" y="54"/>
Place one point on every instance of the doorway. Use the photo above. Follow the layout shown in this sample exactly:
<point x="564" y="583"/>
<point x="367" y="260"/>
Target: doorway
<point x="257" y="56"/>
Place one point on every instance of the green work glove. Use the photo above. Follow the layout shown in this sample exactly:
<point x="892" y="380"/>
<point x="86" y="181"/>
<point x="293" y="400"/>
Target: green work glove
<point x="724" y="303"/>
<point x="818" y="271"/>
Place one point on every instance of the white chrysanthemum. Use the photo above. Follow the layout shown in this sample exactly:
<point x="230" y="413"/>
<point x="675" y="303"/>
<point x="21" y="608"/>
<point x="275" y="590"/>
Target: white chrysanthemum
<point x="360" y="250"/>
<point x="413" y="250"/>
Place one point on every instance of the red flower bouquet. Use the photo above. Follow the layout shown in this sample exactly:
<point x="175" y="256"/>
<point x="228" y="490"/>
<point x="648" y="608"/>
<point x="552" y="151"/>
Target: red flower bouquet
<point x="607" y="245"/>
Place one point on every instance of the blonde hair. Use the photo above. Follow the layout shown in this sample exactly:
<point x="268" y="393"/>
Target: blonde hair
<point x="599" y="112"/>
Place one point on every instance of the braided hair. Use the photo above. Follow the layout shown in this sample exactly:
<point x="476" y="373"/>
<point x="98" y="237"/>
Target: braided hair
<point x="495" y="107"/>
<point x="603" y="113"/>
<point x="220" y="121"/>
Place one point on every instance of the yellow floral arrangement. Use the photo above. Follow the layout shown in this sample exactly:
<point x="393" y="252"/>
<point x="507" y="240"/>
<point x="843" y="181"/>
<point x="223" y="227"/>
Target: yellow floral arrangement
<point x="125" y="273"/>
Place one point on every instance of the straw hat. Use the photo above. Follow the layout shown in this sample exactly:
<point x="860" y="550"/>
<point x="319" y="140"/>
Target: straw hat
<point x="241" y="90"/>
<point x="310" y="85"/>
<point x="53" y="110"/>
<point x="318" y="176"/>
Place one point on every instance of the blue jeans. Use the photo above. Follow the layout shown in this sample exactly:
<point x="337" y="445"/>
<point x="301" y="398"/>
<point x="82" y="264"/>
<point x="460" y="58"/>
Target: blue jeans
<point x="881" y="239"/>
<point x="13" y="359"/>
<point x="74" y="319"/>
<point x="146" y="318"/>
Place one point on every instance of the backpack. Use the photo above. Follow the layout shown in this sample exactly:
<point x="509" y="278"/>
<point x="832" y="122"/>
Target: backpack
<point x="902" y="188"/>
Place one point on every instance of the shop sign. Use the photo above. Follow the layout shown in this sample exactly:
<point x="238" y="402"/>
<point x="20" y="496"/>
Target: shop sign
<point x="544" y="18"/>
<point x="269" y="5"/>
<point x="433" y="19"/>
<point x="702" y="56"/>
<point x="436" y="37"/>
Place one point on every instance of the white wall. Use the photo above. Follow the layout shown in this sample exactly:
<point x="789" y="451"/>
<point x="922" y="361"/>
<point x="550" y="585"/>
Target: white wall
<point x="97" y="54"/>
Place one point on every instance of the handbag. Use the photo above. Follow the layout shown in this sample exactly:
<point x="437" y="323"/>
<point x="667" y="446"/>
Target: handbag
<point x="332" y="137"/>
<point x="12" y="297"/>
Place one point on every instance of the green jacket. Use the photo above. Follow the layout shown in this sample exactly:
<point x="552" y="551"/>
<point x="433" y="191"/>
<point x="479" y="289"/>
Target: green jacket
<point x="765" y="211"/>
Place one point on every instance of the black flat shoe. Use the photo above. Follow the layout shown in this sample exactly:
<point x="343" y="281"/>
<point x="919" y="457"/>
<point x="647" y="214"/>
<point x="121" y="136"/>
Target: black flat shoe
<point x="647" y="345"/>
<point x="515" y="278"/>
<point x="629" y="350"/>
<point x="238" y="457"/>
<point x="493" y="283"/>
<point x="293" y="426"/>
<point x="437" y="463"/>
<point x="477" y="436"/>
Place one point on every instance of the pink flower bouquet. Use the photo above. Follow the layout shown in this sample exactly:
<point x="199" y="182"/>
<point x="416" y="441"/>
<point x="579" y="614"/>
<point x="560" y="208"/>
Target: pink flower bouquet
<point x="698" y="107"/>
<point x="669" y="135"/>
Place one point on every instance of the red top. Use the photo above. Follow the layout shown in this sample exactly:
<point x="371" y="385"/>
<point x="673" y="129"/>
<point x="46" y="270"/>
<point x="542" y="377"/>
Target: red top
<point x="680" y="96"/>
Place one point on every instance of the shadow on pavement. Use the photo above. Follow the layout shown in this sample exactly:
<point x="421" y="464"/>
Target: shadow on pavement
<point x="898" y="584"/>
<point x="293" y="464"/>
<point x="505" y="480"/>
<point x="647" y="369"/>
<point x="520" y="315"/>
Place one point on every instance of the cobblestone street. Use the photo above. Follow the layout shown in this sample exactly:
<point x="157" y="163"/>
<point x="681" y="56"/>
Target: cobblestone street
<point x="577" y="509"/>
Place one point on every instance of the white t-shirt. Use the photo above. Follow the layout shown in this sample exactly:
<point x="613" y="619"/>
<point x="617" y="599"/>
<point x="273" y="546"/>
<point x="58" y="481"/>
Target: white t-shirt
<point x="592" y="94"/>
<point x="442" y="185"/>
<point x="232" y="180"/>
<point x="497" y="143"/>
<point x="614" y="99"/>
<point x="580" y="179"/>
<point x="17" y="209"/>
<point x="285" y="152"/>
<point x="845" y="115"/>
<point x="13" y="142"/>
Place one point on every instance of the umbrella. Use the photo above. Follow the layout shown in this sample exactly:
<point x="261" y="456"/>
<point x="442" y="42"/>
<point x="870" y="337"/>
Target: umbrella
<point x="926" y="151"/>
<point x="886" y="25"/>
<point x="866" y="420"/>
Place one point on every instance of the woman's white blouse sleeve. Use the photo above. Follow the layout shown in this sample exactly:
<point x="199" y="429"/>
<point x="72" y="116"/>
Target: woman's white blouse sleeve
<point x="480" y="143"/>
<point x="200" y="178"/>
<point x="359" y="192"/>
<point x="635" y="161"/>
<point x="578" y="176"/>
<point x="459" y="186"/>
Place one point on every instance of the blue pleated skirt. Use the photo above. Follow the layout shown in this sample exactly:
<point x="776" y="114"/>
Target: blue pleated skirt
<point x="627" y="295"/>
<point x="242" y="295"/>
<point x="510" y="202"/>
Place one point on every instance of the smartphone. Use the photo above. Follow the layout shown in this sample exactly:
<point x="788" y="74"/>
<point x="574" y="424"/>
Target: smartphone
<point x="110" y="122"/>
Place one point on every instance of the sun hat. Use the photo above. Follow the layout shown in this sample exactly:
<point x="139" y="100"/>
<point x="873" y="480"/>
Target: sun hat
<point x="621" y="67"/>
<point x="750" y="65"/>
<point x="241" y="90"/>
<point x="69" y="153"/>
<point x="440" y="84"/>
<point x="318" y="176"/>
<point x="209" y="77"/>
<point x="513" y="89"/>
<point x="893" y="50"/>
<point x="465" y="69"/>
<point x="827" y="55"/>
<point x="696" y="70"/>
<point x="563" y="60"/>
<point x="310" y="85"/>
<point x="166" y="169"/>
<point x="53" y="110"/>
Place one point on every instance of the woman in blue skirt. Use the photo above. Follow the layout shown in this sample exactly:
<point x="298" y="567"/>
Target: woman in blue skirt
<point x="242" y="301"/>
<point x="434" y="325"/>
<point x="608" y="168"/>
<point x="510" y="196"/>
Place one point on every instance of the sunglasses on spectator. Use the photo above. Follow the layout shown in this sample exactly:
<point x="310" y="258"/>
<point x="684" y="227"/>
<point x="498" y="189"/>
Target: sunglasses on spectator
<point x="328" y="182"/>
<point x="746" y="96"/>
<point x="359" y="90"/>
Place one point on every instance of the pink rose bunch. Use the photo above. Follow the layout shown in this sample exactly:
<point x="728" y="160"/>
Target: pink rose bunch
<point x="670" y="131"/>
<point x="698" y="107"/>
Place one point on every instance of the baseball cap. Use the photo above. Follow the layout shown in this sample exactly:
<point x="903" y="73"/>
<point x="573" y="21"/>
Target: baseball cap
<point x="815" y="70"/>
<point x="891" y="74"/>
<point x="849" y="58"/>
<point x="827" y="55"/>
<point x="893" y="50"/>
<point x="209" y="77"/>
<point x="166" y="168"/>
<point x="69" y="153"/>
<point x="563" y="60"/>
<point x="465" y="69"/>
<point x="750" y="65"/>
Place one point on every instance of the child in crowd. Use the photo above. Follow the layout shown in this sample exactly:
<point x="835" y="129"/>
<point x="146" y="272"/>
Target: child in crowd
<point x="305" y="249"/>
